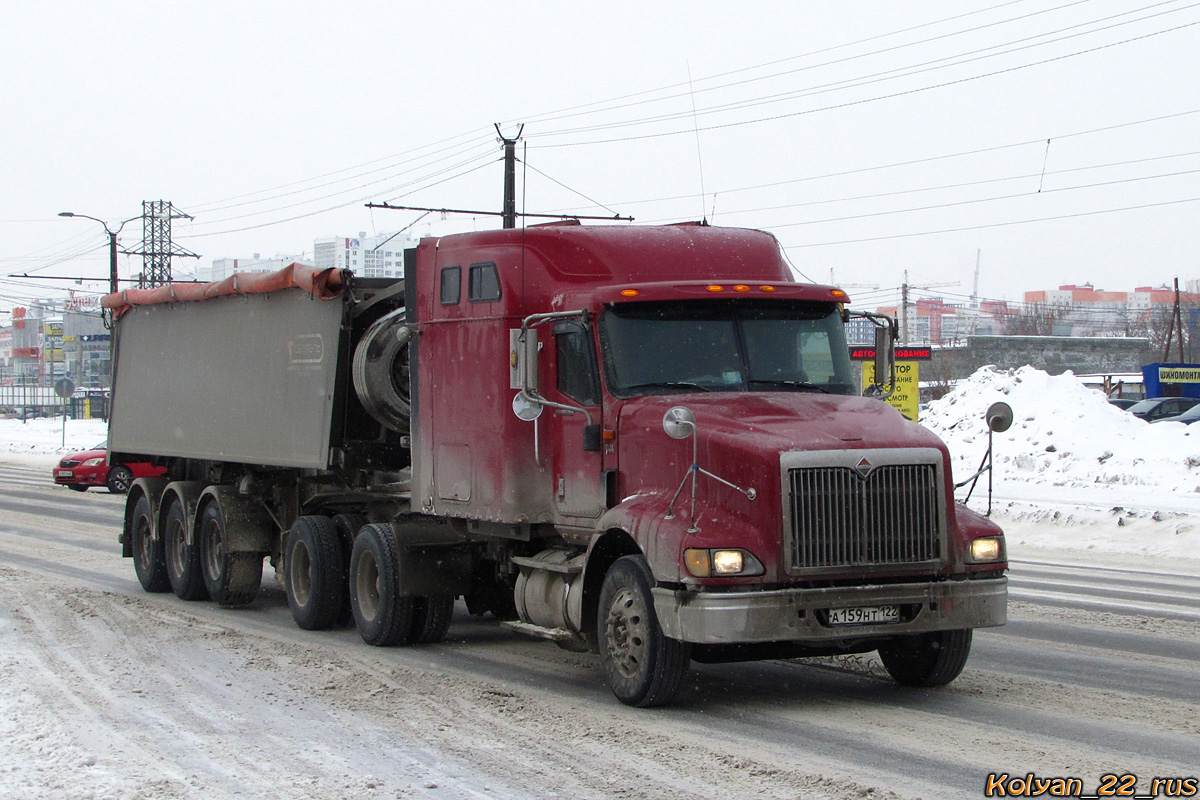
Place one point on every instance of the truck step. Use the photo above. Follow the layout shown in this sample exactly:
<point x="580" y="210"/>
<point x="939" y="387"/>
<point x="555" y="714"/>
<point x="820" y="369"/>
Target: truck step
<point x="538" y="632"/>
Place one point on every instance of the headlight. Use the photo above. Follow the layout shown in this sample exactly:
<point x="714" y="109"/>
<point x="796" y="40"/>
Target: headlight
<point x="93" y="462"/>
<point x="721" y="563"/>
<point x="987" y="550"/>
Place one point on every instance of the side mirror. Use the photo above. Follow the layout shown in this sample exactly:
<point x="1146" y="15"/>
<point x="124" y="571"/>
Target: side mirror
<point x="591" y="438"/>
<point x="999" y="416"/>
<point x="884" y="356"/>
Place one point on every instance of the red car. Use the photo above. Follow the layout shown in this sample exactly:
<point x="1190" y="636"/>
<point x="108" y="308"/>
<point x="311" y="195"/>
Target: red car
<point x="91" y="468"/>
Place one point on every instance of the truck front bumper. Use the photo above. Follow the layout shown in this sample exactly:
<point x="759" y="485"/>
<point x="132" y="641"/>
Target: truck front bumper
<point x="802" y="615"/>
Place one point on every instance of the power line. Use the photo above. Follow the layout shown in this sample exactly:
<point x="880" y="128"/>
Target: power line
<point x="863" y="101"/>
<point x="993" y="224"/>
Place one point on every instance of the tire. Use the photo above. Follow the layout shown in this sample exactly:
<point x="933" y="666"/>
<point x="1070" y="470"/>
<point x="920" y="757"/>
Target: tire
<point x="183" y="559"/>
<point x="149" y="555"/>
<point x="232" y="579"/>
<point x="431" y="618"/>
<point x="641" y="666"/>
<point x="380" y="372"/>
<point x="315" y="573"/>
<point x="927" y="659"/>
<point x="382" y="616"/>
<point x="79" y="487"/>
<point x="119" y="480"/>
<point x="347" y="526"/>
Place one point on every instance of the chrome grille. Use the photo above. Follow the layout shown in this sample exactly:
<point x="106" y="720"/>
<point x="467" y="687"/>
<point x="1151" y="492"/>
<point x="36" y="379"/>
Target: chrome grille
<point x="840" y="519"/>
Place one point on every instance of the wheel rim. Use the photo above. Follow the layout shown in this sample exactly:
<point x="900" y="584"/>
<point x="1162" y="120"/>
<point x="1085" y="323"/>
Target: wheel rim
<point x="142" y="543"/>
<point x="214" y="549"/>
<point x="120" y="481"/>
<point x="627" y="633"/>
<point x="366" y="586"/>
<point x="300" y="575"/>
<point x="177" y="538"/>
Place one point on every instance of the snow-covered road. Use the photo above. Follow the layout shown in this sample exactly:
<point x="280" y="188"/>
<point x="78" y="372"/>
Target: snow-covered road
<point x="113" y="693"/>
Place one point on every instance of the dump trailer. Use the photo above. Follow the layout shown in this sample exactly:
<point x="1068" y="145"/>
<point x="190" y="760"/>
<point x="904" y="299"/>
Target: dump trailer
<point x="641" y="441"/>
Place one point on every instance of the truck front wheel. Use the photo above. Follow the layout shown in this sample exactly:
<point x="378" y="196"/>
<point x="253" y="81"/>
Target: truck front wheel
<point x="315" y="572"/>
<point x="149" y="559"/>
<point x="183" y="559"/>
<point x="381" y="615"/>
<point x="232" y="579"/>
<point x="927" y="659"/>
<point x="641" y="665"/>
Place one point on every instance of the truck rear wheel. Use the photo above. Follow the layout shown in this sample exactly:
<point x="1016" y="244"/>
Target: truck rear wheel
<point x="149" y="558"/>
<point x="381" y="615"/>
<point x="315" y="572"/>
<point x="183" y="559"/>
<point x="927" y="659"/>
<point x="347" y="526"/>
<point x="431" y="618"/>
<point x="232" y="579"/>
<point x="641" y="666"/>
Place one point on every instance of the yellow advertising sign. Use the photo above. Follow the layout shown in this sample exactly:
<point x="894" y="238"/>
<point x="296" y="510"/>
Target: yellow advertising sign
<point x="905" y="399"/>
<point x="1179" y="374"/>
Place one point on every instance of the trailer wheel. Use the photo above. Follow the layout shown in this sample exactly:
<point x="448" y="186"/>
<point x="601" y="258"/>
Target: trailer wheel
<point x="381" y="615"/>
<point x="119" y="480"/>
<point x="347" y="526"/>
<point x="927" y="659"/>
<point x="232" y="579"/>
<point x="183" y="559"/>
<point x="641" y="666"/>
<point x="149" y="557"/>
<point x="431" y="618"/>
<point x="315" y="572"/>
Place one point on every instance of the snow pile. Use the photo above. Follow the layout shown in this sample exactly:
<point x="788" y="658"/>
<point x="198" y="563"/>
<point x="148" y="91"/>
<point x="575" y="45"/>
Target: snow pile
<point x="45" y="437"/>
<point x="1063" y="435"/>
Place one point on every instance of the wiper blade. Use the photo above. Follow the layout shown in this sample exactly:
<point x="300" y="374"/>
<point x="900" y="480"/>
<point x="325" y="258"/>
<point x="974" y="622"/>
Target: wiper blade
<point x="668" y="385"/>
<point x="791" y="384"/>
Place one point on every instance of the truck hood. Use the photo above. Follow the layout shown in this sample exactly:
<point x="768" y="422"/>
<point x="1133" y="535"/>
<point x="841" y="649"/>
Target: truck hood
<point x="774" y="422"/>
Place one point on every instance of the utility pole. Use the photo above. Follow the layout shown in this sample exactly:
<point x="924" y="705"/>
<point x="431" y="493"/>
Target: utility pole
<point x="157" y="247"/>
<point x="904" y="287"/>
<point x="509" y="216"/>
<point x="1176" y="324"/>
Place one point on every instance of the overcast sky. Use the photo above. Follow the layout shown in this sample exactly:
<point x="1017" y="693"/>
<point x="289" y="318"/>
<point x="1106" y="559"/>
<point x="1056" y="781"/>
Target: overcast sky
<point x="1057" y="141"/>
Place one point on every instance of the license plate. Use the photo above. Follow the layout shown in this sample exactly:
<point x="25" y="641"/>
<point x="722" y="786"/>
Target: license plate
<point x="864" y="616"/>
<point x="66" y="473"/>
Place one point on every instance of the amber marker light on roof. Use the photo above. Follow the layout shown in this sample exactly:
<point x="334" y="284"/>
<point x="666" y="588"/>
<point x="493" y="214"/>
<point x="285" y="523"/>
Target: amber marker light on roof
<point x="629" y="293"/>
<point x="838" y="293"/>
<point x="741" y="288"/>
<point x="766" y="288"/>
<point x="715" y="288"/>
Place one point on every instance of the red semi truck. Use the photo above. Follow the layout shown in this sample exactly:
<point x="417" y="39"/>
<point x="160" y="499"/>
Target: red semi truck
<point x="641" y="441"/>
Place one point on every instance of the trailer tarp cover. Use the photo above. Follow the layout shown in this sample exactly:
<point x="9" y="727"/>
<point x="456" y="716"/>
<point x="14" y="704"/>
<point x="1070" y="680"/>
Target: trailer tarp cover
<point x="323" y="284"/>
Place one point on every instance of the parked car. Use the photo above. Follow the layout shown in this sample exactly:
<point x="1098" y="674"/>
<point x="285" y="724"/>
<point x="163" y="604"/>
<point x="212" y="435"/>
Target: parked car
<point x="1187" y="417"/>
<point x="1123" y="402"/>
<point x="88" y="468"/>
<point x="1154" y="408"/>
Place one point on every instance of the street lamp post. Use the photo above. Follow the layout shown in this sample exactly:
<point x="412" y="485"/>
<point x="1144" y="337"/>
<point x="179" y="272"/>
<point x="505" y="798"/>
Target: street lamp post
<point x="112" y="244"/>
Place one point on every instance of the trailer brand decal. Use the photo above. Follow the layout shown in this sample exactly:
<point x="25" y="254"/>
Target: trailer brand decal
<point x="306" y="349"/>
<point x="306" y="352"/>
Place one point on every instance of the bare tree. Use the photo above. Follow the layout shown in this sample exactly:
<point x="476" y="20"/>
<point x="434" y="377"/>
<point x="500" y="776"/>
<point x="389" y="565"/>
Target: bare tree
<point x="1037" y="319"/>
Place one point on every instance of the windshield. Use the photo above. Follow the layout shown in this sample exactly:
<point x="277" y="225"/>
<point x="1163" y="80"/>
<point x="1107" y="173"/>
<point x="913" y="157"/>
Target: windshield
<point x="725" y="346"/>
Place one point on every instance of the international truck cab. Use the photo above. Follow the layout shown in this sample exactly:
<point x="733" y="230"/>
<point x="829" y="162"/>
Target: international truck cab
<point x="642" y="441"/>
